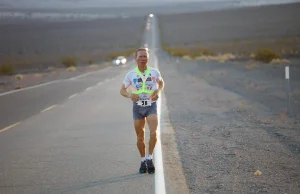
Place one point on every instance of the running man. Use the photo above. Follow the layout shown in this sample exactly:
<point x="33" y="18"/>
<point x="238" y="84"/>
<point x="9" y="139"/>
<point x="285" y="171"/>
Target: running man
<point x="146" y="83"/>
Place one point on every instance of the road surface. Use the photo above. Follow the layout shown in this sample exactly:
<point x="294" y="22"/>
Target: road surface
<point x="76" y="136"/>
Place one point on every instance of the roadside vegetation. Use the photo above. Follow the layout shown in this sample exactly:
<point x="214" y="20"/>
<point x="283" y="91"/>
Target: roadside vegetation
<point x="10" y="65"/>
<point x="7" y="69"/>
<point x="266" y="55"/>
<point x="269" y="51"/>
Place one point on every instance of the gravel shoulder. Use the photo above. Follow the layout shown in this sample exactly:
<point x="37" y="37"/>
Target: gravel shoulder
<point x="225" y="135"/>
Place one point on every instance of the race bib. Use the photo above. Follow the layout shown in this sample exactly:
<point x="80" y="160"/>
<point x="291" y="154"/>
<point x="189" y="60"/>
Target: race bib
<point x="144" y="103"/>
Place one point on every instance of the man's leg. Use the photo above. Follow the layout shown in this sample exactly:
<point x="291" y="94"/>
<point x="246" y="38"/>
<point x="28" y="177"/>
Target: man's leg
<point x="152" y="123"/>
<point x="139" y="126"/>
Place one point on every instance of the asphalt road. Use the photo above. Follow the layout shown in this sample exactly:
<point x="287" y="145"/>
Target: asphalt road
<point x="74" y="136"/>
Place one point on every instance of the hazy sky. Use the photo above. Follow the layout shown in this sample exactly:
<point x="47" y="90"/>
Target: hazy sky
<point x="86" y="3"/>
<point x="98" y="3"/>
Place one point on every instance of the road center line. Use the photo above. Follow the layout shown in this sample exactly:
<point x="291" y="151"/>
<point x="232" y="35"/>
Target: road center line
<point x="73" y="96"/>
<point x="50" y="107"/>
<point x="9" y="127"/>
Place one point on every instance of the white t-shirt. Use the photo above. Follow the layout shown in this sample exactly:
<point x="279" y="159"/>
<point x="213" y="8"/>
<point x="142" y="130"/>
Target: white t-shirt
<point x="135" y="81"/>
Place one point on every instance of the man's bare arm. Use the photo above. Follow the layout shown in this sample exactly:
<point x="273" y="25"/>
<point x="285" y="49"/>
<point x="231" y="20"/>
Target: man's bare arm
<point x="124" y="92"/>
<point x="161" y="85"/>
<point x="133" y="97"/>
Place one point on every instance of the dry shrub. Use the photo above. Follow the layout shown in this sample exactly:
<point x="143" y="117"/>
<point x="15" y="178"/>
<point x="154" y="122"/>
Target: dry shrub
<point x="69" y="61"/>
<point x="265" y="55"/>
<point x="19" y="77"/>
<point x="91" y="62"/>
<point x="187" y="57"/>
<point x="280" y="61"/>
<point x="220" y="58"/>
<point x="204" y="51"/>
<point x="71" y="68"/>
<point x="179" y="52"/>
<point x="7" y="70"/>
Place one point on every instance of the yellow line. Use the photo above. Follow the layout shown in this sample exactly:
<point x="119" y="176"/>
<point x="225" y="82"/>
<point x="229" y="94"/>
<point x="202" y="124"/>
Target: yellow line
<point x="49" y="108"/>
<point x="72" y="96"/>
<point x="11" y="126"/>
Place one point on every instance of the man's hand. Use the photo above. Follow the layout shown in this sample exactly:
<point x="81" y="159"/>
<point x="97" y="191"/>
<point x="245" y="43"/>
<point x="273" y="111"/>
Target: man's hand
<point x="155" y="95"/>
<point x="134" y="97"/>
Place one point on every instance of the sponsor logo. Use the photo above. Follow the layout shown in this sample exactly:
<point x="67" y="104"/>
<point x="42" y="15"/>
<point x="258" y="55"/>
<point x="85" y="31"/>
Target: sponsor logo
<point x="138" y="86"/>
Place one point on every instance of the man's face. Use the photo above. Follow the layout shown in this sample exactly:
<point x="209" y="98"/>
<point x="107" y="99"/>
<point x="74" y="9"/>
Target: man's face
<point x="142" y="58"/>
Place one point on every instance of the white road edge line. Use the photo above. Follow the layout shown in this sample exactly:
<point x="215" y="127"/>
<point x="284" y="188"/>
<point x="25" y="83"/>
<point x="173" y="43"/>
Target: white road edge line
<point x="47" y="83"/>
<point x="85" y="74"/>
<point x="73" y="96"/>
<point x="50" y="107"/>
<point x="9" y="127"/>
<point x="31" y="87"/>
<point x="160" y="187"/>
<point x="88" y="88"/>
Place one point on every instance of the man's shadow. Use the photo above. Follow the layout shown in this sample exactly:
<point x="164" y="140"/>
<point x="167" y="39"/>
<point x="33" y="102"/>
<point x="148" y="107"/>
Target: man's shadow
<point x="92" y="184"/>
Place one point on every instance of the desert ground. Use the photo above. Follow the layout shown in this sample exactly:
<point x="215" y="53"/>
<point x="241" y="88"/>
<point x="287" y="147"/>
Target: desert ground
<point x="230" y="119"/>
<point x="35" y="48"/>
<point x="273" y="26"/>
<point x="42" y="43"/>
<point x="238" y="30"/>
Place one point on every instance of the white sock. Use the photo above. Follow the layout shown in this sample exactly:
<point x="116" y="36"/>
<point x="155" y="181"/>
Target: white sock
<point x="149" y="157"/>
<point x="143" y="159"/>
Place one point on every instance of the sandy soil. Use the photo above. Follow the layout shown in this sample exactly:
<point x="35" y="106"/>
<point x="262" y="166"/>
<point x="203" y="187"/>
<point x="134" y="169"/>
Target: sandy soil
<point x="227" y="129"/>
<point x="35" y="47"/>
<point x="230" y="119"/>
<point x="224" y="30"/>
<point x="40" y="44"/>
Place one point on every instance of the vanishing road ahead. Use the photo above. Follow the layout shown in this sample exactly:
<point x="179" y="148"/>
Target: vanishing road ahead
<point x="76" y="136"/>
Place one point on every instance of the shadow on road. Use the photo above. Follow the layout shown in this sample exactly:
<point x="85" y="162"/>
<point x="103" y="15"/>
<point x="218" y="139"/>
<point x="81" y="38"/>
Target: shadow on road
<point x="92" y="184"/>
